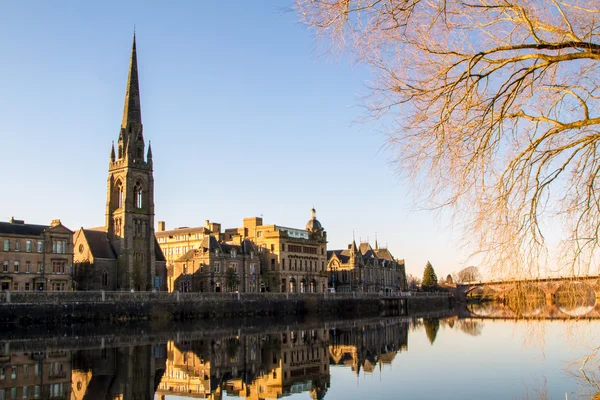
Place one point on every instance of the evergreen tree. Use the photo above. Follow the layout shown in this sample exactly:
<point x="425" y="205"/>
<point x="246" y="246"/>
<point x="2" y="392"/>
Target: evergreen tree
<point x="430" y="280"/>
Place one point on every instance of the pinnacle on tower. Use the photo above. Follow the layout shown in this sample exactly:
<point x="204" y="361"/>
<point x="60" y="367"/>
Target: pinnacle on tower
<point x="149" y="155"/>
<point x="112" y="152"/>
<point x="132" y="111"/>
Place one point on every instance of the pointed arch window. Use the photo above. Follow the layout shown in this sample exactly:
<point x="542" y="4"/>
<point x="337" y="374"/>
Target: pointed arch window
<point x="119" y="195"/>
<point x="140" y="153"/>
<point x="138" y="195"/>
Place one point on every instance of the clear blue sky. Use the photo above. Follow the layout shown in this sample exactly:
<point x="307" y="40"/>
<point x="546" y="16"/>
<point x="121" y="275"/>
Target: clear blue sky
<point x="245" y="114"/>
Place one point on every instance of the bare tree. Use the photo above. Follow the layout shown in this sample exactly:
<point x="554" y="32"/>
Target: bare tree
<point x="469" y="274"/>
<point x="492" y="109"/>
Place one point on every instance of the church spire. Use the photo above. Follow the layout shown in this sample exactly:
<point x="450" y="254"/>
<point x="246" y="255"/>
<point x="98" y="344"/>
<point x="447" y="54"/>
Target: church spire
<point x="132" y="111"/>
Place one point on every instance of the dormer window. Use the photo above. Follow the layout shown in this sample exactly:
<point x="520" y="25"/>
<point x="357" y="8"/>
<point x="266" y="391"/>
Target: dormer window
<point x="233" y="253"/>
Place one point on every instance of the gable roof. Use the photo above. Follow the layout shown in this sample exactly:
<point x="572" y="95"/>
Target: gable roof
<point x="99" y="244"/>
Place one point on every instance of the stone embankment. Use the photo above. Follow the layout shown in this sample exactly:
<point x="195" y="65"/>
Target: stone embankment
<point x="27" y="308"/>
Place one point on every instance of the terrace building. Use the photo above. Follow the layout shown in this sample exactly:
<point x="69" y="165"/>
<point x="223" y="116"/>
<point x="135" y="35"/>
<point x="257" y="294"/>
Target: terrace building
<point x="35" y="257"/>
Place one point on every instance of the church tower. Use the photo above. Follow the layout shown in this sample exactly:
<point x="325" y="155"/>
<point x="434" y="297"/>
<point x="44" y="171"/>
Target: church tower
<point x="130" y="194"/>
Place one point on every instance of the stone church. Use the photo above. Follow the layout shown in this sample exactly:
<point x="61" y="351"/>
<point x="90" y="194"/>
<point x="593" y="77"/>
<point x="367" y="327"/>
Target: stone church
<point x="124" y="254"/>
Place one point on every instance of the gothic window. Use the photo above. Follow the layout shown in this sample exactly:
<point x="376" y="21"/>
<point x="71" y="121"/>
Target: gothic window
<point x="138" y="195"/>
<point x="119" y="195"/>
<point x="120" y="151"/>
<point x="140" y="152"/>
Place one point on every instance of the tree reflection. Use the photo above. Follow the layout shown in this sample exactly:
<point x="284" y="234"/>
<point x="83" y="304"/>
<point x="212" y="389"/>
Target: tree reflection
<point x="432" y="327"/>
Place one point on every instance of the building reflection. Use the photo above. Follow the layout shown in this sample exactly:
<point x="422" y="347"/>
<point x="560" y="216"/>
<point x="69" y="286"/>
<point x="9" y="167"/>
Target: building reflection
<point x="253" y="366"/>
<point x="365" y="346"/>
<point x="35" y="375"/>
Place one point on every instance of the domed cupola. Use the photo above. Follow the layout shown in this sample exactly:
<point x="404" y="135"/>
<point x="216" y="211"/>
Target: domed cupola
<point x="313" y="225"/>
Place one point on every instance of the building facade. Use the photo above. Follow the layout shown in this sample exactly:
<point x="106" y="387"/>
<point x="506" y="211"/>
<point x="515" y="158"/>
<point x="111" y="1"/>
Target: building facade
<point x="217" y="267"/>
<point x="293" y="260"/>
<point x="174" y="243"/>
<point x="35" y="257"/>
<point x="364" y="269"/>
<point x="124" y="254"/>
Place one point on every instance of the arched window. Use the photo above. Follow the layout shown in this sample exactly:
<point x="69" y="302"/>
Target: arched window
<point x="140" y="152"/>
<point x="104" y="278"/>
<point x="138" y="195"/>
<point x="120" y="151"/>
<point x="119" y="195"/>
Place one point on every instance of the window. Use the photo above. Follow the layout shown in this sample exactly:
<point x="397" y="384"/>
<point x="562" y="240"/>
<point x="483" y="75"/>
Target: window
<point x="5" y="266"/>
<point x="104" y="278"/>
<point x="2" y="374"/>
<point x="217" y="267"/>
<point x="16" y="286"/>
<point x="58" y="267"/>
<point x="17" y="245"/>
<point x="272" y="247"/>
<point x="27" y="289"/>
<point x="138" y="195"/>
<point x="14" y="372"/>
<point x="28" y="246"/>
<point x="283" y="264"/>
<point x="233" y="253"/>
<point x="27" y="266"/>
<point x="40" y="246"/>
<point x="272" y="264"/>
<point x="59" y="246"/>
<point x="119" y="195"/>
<point x="16" y="266"/>
<point x="252" y="269"/>
<point x="282" y="246"/>
<point x="6" y="245"/>
<point x="258" y="234"/>
<point x="40" y="268"/>
<point x="25" y="392"/>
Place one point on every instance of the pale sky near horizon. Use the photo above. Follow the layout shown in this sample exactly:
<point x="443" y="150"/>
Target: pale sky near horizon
<point x="246" y="117"/>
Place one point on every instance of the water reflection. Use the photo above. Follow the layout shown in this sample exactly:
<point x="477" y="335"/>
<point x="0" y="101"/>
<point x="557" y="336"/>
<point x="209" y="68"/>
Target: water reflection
<point x="254" y="365"/>
<point x="266" y="361"/>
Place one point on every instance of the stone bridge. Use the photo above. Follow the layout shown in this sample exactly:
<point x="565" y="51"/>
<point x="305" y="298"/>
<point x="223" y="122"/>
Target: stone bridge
<point x="499" y="290"/>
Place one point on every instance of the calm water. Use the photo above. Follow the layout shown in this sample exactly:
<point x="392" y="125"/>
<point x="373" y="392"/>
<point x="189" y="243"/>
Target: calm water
<point x="412" y="358"/>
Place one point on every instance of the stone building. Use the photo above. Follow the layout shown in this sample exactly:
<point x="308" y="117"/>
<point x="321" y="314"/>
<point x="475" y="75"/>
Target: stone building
<point x="35" y="257"/>
<point x="217" y="267"/>
<point x="176" y="242"/>
<point x="124" y="254"/>
<point x="364" y="269"/>
<point x="293" y="260"/>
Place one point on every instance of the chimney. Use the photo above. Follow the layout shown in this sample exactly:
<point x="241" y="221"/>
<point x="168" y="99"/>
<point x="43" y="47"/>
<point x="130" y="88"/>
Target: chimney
<point x="16" y="221"/>
<point x="55" y="222"/>
<point x="161" y="226"/>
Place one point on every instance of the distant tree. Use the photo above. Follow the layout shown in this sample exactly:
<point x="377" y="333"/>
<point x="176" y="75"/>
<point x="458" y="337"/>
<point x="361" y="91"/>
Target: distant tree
<point x="413" y="282"/>
<point x="430" y="280"/>
<point x="432" y="326"/>
<point x="232" y="279"/>
<point x="469" y="274"/>
<point x="83" y="275"/>
<point x="449" y="280"/>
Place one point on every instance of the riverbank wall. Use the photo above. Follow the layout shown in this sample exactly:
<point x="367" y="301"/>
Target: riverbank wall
<point x="34" y="308"/>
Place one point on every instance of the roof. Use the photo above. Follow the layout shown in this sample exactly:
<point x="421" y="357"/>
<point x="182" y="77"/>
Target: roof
<point x="99" y="244"/>
<point x="22" y="229"/>
<point x="364" y="247"/>
<point x="158" y="253"/>
<point x="181" y="231"/>
<point x="384" y="254"/>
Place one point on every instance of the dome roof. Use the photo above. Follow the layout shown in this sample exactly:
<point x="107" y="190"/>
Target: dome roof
<point x="313" y="224"/>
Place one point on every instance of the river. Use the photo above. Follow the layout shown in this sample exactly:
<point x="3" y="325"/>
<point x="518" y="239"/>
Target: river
<point x="431" y="356"/>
